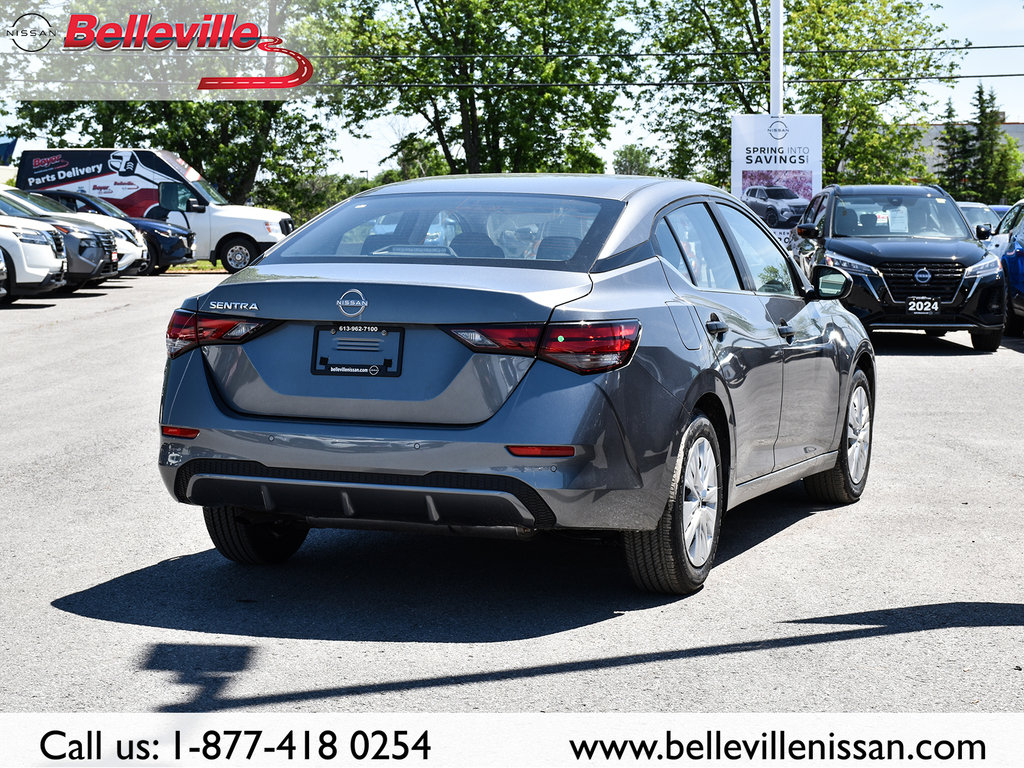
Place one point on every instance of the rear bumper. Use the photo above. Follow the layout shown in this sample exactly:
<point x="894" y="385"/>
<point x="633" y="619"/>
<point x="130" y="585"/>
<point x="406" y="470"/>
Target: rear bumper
<point x="331" y="471"/>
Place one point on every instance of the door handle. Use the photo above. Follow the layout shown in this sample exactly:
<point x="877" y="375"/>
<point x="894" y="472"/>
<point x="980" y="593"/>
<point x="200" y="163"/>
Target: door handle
<point x="786" y="331"/>
<point x="715" y="326"/>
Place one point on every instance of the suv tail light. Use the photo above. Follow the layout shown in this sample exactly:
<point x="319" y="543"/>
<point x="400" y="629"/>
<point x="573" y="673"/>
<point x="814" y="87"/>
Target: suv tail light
<point x="581" y="347"/>
<point x="188" y="330"/>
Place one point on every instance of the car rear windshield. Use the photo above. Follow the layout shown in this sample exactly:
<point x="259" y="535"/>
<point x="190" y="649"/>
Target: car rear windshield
<point x="980" y="214"/>
<point x="522" y="230"/>
<point x="891" y="215"/>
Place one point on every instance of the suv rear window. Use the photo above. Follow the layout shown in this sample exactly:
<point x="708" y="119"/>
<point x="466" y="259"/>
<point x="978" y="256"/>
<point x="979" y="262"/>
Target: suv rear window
<point x="531" y="231"/>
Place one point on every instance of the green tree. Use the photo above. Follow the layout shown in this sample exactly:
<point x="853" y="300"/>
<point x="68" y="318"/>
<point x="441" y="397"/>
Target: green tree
<point x="634" y="160"/>
<point x="870" y="127"/>
<point x="956" y="156"/>
<point x="229" y="142"/>
<point x="448" y="63"/>
<point x="979" y="161"/>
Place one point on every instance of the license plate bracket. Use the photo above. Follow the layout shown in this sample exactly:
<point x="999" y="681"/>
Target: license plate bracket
<point x="358" y="349"/>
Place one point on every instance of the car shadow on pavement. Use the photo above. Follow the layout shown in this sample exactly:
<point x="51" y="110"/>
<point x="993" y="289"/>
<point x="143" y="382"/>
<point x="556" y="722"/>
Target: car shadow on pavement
<point x="1016" y="344"/>
<point x="361" y="586"/>
<point x="892" y="343"/>
<point x="207" y="669"/>
<point x="26" y="305"/>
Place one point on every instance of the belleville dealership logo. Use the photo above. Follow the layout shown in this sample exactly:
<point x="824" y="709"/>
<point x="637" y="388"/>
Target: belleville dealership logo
<point x="215" y="31"/>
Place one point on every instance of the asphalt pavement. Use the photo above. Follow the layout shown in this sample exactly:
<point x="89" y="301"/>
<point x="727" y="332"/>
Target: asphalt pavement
<point x="114" y="600"/>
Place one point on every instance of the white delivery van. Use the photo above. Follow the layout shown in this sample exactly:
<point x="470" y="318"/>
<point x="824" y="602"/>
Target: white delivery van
<point x="160" y="185"/>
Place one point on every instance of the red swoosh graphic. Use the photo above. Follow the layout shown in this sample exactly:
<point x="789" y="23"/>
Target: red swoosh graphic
<point x="268" y="44"/>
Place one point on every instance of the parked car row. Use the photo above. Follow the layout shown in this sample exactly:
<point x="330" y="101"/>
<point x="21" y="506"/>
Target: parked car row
<point x="47" y="246"/>
<point x="916" y="261"/>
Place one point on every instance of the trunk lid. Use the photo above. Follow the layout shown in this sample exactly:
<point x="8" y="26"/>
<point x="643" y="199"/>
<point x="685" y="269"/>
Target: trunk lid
<point x="366" y="342"/>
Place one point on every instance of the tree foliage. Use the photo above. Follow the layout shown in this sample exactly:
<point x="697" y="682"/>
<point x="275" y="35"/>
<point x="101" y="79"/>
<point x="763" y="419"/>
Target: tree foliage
<point x="870" y="127"/>
<point x="634" y="160"/>
<point x="460" y="49"/>
<point x="228" y="142"/>
<point x="979" y="161"/>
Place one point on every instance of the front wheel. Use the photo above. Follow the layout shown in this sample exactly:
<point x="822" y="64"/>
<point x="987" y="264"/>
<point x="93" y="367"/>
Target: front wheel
<point x="844" y="483"/>
<point x="252" y="542"/>
<point x="771" y="217"/>
<point x="237" y="253"/>
<point x="987" y="341"/>
<point x="676" y="557"/>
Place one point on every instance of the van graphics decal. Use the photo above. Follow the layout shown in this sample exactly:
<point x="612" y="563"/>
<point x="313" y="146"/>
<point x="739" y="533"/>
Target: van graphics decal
<point x="128" y="178"/>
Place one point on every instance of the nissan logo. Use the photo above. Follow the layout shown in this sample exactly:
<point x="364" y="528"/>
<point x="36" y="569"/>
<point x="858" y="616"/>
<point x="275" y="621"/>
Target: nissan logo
<point x="352" y="303"/>
<point x="922" y="275"/>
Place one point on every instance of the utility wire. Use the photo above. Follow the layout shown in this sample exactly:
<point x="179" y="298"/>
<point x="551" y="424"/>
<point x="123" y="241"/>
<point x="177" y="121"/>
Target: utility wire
<point x="547" y="56"/>
<point x="644" y="84"/>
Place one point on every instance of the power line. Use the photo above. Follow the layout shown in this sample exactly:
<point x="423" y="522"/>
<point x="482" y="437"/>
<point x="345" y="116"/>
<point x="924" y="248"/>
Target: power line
<point x="639" y="84"/>
<point x="548" y="56"/>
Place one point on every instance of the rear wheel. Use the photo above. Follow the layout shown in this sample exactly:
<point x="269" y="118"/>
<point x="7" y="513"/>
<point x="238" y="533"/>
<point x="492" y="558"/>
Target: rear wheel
<point x="844" y="483"/>
<point x="676" y="557"/>
<point x="237" y="253"/>
<point x="253" y="543"/>
<point x="987" y="341"/>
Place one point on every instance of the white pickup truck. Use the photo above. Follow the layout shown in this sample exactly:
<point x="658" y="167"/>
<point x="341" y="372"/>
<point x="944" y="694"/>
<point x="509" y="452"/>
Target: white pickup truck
<point x="158" y="184"/>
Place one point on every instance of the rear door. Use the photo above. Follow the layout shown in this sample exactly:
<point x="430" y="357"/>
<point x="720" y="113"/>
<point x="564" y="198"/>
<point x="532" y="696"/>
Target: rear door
<point x="745" y="342"/>
<point x="810" y="389"/>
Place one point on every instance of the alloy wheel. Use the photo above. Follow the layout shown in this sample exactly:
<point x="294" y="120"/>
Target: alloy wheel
<point x="700" y="502"/>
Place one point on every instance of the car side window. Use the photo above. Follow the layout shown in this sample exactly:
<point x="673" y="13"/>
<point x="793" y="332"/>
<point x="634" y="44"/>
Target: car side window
<point x="665" y="245"/>
<point x="819" y="213"/>
<point x="1009" y="220"/>
<point x="766" y="262"/>
<point x="703" y="248"/>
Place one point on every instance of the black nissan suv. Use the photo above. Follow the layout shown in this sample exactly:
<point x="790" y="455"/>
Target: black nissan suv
<point x="915" y="261"/>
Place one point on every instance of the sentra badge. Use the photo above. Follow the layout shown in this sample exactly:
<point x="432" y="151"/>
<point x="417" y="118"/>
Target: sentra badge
<point x="352" y="303"/>
<point x="252" y="307"/>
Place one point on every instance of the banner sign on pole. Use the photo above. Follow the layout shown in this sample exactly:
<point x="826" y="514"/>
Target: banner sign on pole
<point x="776" y="166"/>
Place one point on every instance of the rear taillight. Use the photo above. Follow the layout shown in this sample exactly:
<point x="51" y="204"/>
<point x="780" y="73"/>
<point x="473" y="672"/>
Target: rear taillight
<point x="188" y="330"/>
<point x="187" y="433"/>
<point x="590" y="347"/>
<point x="507" y="339"/>
<point x="581" y="347"/>
<point x="181" y="333"/>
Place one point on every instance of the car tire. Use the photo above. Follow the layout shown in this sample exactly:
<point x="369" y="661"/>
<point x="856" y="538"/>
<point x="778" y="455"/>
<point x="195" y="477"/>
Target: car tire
<point x="666" y="559"/>
<point x="844" y="483"/>
<point x="1014" y="323"/>
<point x="237" y="253"/>
<point x="250" y="542"/>
<point x="987" y="341"/>
<point x="771" y="217"/>
<point x="8" y="281"/>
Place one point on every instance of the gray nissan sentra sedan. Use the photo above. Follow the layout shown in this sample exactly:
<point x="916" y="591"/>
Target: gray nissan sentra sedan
<point x="514" y="354"/>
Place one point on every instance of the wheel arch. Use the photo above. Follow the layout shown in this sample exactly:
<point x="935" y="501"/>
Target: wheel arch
<point x="219" y="248"/>
<point x="709" y="395"/>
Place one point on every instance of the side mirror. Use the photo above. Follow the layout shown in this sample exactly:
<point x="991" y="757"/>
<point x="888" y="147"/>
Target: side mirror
<point x="193" y="206"/>
<point x="830" y="282"/>
<point x="983" y="231"/>
<point x="808" y="230"/>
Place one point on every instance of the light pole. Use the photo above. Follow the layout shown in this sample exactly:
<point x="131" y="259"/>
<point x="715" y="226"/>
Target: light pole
<point x="775" y="65"/>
